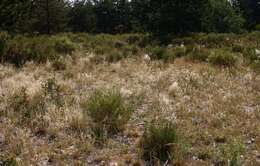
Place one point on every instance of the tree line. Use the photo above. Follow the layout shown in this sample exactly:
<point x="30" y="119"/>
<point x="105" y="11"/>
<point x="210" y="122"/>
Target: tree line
<point x="160" y="17"/>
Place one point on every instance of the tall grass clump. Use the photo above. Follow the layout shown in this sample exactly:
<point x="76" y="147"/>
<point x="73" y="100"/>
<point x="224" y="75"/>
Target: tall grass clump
<point x="108" y="111"/>
<point x="222" y="57"/>
<point x="160" y="143"/>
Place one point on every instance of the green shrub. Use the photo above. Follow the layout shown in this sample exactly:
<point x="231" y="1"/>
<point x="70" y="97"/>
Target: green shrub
<point x="160" y="53"/>
<point x="159" y="142"/>
<point x="109" y="113"/>
<point x="222" y="57"/>
<point x="63" y="45"/>
<point x="250" y="54"/>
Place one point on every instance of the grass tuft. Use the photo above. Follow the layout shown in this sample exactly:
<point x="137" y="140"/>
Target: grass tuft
<point x="108" y="111"/>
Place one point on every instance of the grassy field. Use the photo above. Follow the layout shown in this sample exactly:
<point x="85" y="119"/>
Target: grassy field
<point x="79" y="99"/>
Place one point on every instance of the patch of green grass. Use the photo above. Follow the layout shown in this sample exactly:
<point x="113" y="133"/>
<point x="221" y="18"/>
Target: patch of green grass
<point x="108" y="111"/>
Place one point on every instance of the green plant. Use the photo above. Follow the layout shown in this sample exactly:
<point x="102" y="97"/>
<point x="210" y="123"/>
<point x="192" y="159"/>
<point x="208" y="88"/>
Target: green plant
<point x="160" y="142"/>
<point x="63" y="45"/>
<point x="109" y="113"/>
<point x="160" y="53"/>
<point x="222" y="57"/>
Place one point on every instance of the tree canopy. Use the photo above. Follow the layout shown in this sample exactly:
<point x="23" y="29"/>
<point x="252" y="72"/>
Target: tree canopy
<point x="159" y="17"/>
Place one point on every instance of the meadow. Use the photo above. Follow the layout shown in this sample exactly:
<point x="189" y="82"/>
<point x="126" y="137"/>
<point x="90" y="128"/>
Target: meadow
<point x="81" y="99"/>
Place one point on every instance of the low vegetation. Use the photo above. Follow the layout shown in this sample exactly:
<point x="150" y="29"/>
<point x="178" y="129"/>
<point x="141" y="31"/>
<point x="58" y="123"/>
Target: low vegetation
<point x="109" y="112"/>
<point x="160" y="143"/>
<point x="129" y="100"/>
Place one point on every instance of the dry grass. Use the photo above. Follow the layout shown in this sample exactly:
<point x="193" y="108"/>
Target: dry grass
<point x="216" y="109"/>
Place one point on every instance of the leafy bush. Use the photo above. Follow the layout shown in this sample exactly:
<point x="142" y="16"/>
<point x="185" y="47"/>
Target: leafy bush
<point x="63" y="45"/>
<point x="222" y="57"/>
<point x="109" y="113"/>
<point x="159" y="142"/>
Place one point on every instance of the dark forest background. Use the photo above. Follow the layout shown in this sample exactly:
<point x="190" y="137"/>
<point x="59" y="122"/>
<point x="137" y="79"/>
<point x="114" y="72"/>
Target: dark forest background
<point x="158" y="17"/>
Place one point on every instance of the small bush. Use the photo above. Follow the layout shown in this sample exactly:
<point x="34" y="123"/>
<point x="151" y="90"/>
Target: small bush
<point x="222" y="57"/>
<point x="63" y="45"/>
<point x="109" y="112"/>
<point x="159" y="142"/>
<point x="159" y="53"/>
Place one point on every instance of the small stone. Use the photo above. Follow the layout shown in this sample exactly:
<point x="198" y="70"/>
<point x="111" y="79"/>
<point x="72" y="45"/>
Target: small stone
<point x="174" y="88"/>
<point x="146" y="58"/>
<point x="257" y="52"/>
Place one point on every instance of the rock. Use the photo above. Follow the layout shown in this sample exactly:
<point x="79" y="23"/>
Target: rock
<point x="146" y="58"/>
<point x="257" y="52"/>
<point x="174" y="88"/>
